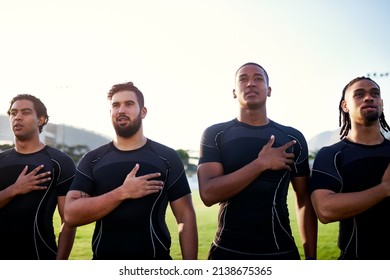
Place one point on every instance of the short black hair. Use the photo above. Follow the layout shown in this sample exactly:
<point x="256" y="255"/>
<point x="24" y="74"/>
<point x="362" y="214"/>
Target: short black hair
<point x="39" y="107"/>
<point x="127" y="86"/>
<point x="254" y="64"/>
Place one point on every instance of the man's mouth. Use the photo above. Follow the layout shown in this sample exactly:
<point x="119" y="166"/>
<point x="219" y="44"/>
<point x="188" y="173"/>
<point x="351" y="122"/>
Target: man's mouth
<point x="250" y="93"/>
<point x="18" y="126"/>
<point x="369" y="108"/>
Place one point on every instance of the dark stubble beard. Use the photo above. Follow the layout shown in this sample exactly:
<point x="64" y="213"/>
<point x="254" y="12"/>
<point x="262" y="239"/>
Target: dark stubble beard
<point x="371" y="117"/>
<point x="128" y="130"/>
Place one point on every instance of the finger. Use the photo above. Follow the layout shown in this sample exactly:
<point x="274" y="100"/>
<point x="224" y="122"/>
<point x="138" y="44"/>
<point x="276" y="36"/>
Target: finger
<point x="290" y="155"/>
<point x="271" y="141"/>
<point x="134" y="171"/>
<point x="40" y="188"/>
<point x="151" y="176"/>
<point x="289" y="144"/>
<point x="154" y="184"/>
<point x="155" y="188"/>
<point x="42" y="175"/>
<point x="43" y="180"/>
<point x="24" y="171"/>
<point x="36" y="169"/>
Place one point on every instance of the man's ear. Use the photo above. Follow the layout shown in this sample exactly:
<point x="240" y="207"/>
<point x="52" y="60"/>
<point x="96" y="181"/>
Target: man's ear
<point x="269" y="91"/>
<point x="41" y="121"/>
<point x="344" y="106"/>
<point x="144" y="111"/>
<point x="234" y="93"/>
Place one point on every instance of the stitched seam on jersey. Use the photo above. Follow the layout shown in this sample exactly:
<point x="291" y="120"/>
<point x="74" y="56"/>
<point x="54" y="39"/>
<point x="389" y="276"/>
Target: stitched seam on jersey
<point x="36" y="226"/>
<point x="98" y="238"/>
<point x="354" y="233"/>
<point x="326" y="173"/>
<point x="337" y="170"/>
<point x="277" y="216"/>
<point x="78" y="170"/>
<point x="152" y="231"/>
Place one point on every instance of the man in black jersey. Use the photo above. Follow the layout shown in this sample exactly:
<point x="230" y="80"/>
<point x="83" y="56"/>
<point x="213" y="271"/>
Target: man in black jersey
<point x="125" y="187"/>
<point x="350" y="181"/>
<point x="34" y="179"/>
<point x="246" y="165"/>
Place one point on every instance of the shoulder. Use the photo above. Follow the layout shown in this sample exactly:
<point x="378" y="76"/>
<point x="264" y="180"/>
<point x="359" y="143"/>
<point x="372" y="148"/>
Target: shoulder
<point x="57" y="154"/>
<point x="159" y="148"/>
<point x="289" y="130"/>
<point x="222" y="125"/>
<point x="98" y="152"/>
<point x="6" y="153"/>
<point x="331" y="150"/>
<point x="219" y="127"/>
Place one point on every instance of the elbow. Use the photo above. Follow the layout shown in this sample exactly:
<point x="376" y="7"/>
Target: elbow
<point x="207" y="199"/>
<point x="325" y="217"/>
<point x="69" y="218"/>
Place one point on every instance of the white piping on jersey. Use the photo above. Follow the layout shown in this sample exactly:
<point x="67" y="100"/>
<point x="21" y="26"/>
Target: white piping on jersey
<point x="337" y="170"/>
<point x="98" y="238"/>
<point x="152" y="231"/>
<point x="354" y="233"/>
<point x="36" y="226"/>
<point x="338" y="173"/>
<point x="78" y="170"/>
<point x="275" y="212"/>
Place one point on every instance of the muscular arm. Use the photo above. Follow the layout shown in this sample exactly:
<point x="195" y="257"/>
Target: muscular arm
<point x="66" y="235"/>
<point x="215" y="186"/>
<point x="306" y="217"/>
<point x="331" y="206"/>
<point x="184" y="213"/>
<point x="25" y="183"/>
<point x="81" y="209"/>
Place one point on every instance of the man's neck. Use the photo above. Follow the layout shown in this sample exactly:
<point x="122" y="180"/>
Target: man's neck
<point x="132" y="143"/>
<point x="253" y="117"/>
<point x="366" y="135"/>
<point x="28" y="146"/>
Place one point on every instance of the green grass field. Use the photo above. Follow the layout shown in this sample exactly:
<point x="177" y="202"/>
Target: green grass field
<point x="207" y="220"/>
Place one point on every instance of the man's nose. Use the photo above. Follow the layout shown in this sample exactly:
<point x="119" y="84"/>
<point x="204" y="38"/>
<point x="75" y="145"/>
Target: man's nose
<point x="251" y="82"/>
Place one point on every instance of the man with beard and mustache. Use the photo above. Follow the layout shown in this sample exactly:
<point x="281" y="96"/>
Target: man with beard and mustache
<point x="125" y="187"/>
<point x="34" y="179"/>
<point x="246" y="165"/>
<point x="350" y="180"/>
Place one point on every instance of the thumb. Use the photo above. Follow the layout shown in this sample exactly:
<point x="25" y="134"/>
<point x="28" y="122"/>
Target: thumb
<point x="24" y="171"/>
<point x="134" y="171"/>
<point x="271" y="141"/>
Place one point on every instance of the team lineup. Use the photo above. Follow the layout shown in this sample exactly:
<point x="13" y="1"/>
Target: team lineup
<point x="246" y="166"/>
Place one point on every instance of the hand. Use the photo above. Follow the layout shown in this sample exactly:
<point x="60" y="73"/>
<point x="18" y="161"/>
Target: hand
<point x="277" y="158"/>
<point x="26" y="183"/>
<point x="136" y="187"/>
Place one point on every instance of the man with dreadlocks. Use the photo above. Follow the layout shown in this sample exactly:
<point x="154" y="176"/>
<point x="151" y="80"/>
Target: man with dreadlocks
<point x="350" y="179"/>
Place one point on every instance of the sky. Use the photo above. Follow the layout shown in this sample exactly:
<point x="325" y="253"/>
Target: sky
<point x="183" y="56"/>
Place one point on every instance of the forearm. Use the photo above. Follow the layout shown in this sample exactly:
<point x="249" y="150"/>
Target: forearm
<point x="308" y="229"/>
<point x="65" y="242"/>
<point x="188" y="238"/>
<point x="6" y="196"/>
<point x="81" y="210"/>
<point x="222" y="187"/>
<point x="337" y="206"/>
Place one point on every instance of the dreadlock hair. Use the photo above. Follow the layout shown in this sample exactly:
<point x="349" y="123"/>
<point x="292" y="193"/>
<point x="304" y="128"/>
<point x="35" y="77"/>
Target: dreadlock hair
<point x="344" y="119"/>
